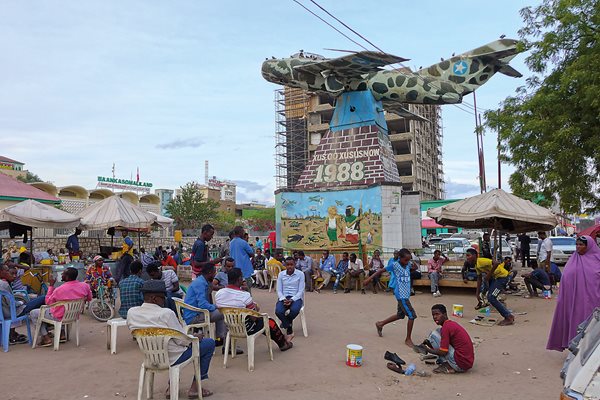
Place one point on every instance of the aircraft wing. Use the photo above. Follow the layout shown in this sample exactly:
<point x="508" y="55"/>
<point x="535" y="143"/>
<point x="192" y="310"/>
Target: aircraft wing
<point x="401" y="110"/>
<point x="351" y="66"/>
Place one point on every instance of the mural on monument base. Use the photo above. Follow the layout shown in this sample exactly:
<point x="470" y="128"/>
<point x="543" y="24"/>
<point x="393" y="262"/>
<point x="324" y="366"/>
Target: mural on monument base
<point x="320" y="220"/>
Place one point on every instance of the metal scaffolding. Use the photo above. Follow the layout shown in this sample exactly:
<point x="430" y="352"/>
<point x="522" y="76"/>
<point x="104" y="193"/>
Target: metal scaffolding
<point x="291" y="136"/>
<point x="429" y="175"/>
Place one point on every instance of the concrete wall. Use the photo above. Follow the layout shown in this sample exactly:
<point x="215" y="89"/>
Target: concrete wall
<point x="90" y="245"/>
<point x="391" y="220"/>
<point x="411" y="221"/>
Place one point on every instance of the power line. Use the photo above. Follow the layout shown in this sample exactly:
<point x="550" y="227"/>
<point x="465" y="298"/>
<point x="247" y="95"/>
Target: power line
<point x="333" y="27"/>
<point x="369" y="42"/>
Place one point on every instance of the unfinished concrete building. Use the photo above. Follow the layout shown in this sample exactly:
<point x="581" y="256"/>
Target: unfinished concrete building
<point x="303" y="118"/>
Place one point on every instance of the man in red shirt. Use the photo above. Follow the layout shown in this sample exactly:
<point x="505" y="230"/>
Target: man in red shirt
<point x="451" y="343"/>
<point x="168" y="260"/>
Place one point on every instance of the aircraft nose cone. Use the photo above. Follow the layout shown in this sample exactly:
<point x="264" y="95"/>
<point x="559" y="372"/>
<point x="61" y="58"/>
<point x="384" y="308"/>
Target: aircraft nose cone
<point x="451" y="98"/>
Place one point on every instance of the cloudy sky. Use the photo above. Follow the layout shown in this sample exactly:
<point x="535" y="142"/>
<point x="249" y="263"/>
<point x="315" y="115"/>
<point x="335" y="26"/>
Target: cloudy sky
<point x="164" y="86"/>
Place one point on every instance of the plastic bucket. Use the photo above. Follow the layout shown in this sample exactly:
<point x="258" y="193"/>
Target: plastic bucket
<point x="457" y="310"/>
<point x="354" y="355"/>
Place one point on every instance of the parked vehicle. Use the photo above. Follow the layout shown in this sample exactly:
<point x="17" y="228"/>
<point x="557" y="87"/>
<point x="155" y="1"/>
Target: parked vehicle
<point x="506" y="249"/>
<point x="562" y="248"/>
<point x="581" y="370"/>
<point x="454" y="245"/>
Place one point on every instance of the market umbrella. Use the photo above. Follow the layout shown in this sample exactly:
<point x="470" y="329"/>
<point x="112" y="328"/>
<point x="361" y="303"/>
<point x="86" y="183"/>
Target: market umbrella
<point x="591" y="231"/>
<point x="29" y="214"/>
<point x="115" y="212"/>
<point x="34" y="214"/>
<point x="162" y="221"/>
<point x="495" y="209"/>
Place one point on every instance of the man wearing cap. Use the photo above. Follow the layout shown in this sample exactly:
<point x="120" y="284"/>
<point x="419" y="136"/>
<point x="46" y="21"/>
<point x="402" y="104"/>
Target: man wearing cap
<point x="97" y="274"/>
<point x="153" y="314"/>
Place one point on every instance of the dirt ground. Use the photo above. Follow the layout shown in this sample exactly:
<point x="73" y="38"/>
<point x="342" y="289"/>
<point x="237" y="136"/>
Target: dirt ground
<point x="510" y="362"/>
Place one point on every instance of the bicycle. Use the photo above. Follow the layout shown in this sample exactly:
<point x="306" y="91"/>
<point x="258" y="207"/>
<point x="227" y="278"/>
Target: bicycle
<point x="102" y="307"/>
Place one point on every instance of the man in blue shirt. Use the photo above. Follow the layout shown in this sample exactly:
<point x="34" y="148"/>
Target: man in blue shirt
<point x="259" y="243"/>
<point x="536" y="279"/>
<point x="326" y="264"/>
<point x="200" y="255"/>
<point x="290" y="291"/>
<point x="340" y="271"/>
<point x="242" y="253"/>
<point x="400" y="268"/>
<point x="198" y="295"/>
<point x="73" y="243"/>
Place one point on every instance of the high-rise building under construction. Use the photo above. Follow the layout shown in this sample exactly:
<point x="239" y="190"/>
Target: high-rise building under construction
<point x="302" y="118"/>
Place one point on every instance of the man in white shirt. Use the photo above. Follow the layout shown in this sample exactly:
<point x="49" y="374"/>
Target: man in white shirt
<point x="168" y="276"/>
<point x="152" y="314"/>
<point x="544" y="251"/>
<point x="233" y="296"/>
<point x="290" y="291"/>
<point x="356" y="271"/>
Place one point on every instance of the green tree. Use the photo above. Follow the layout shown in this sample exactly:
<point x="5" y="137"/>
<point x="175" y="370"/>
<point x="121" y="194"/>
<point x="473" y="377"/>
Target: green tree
<point x="550" y="129"/>
<point x="190" y="209"/>
<point x="29" y="178"/>
<point x="224" y="222"/>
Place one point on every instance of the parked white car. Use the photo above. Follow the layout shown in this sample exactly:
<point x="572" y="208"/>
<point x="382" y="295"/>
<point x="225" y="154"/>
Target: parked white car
<point x="562" y="248"/>
<point x="581" y="370"/>
<point x="454" y="245"/>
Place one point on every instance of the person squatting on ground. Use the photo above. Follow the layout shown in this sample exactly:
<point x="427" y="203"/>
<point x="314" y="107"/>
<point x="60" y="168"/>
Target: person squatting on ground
<point x="234" y="296"/>
<point x="536" y="279"/>
<point x="401" y="274"/>
<point x="450" y="342"/>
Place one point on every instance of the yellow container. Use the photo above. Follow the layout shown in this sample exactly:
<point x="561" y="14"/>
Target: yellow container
<point x="46" y="261"/>
<point x="457" y="310"/>
<point x="354" y="355"/>
<point x="178" y="236"/>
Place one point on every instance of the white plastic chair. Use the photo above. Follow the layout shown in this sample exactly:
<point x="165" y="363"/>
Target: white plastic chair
<point x="111" y="333"/>
<point x="73" y="309"/>
<point x="154" y="344"/>
<point x="235" y="319"/>
<point x="206" y="326"/>
<point x="302" y="316"/>
<point x="274" y="271"/>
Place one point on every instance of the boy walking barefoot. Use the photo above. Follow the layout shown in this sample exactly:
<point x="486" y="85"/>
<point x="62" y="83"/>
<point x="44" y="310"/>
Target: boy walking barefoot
<point x="401" y="271"/>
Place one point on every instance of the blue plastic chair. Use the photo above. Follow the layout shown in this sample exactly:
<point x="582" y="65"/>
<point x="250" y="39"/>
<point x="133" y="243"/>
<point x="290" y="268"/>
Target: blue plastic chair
<point x="6" y="323"/>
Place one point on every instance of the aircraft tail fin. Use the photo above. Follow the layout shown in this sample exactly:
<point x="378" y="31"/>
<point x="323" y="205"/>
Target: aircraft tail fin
<point x="469" y="70"/>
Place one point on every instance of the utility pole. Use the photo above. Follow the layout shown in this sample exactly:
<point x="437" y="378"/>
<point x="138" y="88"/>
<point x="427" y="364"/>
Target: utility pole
<point x="479" y="135"/>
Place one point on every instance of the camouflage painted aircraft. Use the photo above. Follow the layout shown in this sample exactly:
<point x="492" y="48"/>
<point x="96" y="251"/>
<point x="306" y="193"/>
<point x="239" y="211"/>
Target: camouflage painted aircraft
<point x="446" y="82"/>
